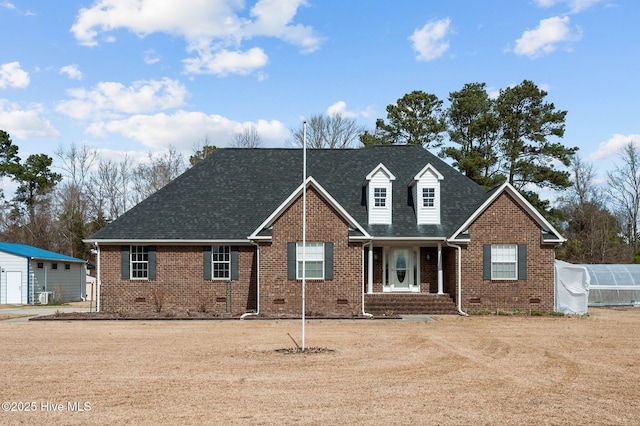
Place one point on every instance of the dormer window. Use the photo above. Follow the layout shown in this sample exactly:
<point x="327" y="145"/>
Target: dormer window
<point x="428" y="197"/>
<point x="379" y="197"/>
<point x="379" y="185"/>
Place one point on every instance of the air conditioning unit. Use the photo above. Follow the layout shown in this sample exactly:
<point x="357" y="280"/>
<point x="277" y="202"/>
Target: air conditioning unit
<point x="43" y="297"/>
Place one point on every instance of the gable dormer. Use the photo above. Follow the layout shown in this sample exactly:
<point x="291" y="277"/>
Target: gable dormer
<point x="426" y="195"/>
<point x="379" y="200"/>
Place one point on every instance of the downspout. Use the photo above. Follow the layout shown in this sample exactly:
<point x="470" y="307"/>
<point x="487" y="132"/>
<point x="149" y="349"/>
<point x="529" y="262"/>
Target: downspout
<point x="365" y="314"/>
<point x="459" y="284"/>
<point x="29" y="302"/>
<point x="257" y="312"/>
<point x="99" y="280"/>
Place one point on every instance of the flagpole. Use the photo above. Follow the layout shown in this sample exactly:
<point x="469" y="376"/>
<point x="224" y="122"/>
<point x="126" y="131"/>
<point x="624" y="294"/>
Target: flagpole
<point x="304" y="222"/>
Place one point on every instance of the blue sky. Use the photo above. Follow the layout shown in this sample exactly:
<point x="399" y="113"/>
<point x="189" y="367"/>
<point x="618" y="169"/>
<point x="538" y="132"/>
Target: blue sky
<point x="139" y="75"/>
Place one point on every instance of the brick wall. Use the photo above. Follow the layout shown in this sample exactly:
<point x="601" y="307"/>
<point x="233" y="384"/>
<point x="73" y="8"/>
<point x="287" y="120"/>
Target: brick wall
<point x="342" y="295"/>
<point x="505" y="222"/>
<point x="179" y="284"/>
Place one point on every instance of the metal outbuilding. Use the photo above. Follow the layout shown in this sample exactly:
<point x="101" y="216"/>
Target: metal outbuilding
<point x="30" y="275"/>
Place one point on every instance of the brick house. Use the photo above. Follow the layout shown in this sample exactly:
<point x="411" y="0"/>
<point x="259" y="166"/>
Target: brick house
<point x="390" y="229"/>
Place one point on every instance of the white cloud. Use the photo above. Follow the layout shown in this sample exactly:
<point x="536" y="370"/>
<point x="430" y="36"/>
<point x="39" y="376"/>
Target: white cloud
<point x="151" y="57"/>
<point x="11" y="75"/>
<point x="7" y="5"/>
<point x="183" y="128"/>
<point x="72" y="71"/>
<point x="273" y="18"/>
<point x="340" y="107"/>
<point x="430" y="41"/>
<point x="224" y="62"/>
<point x="613" y="146"/>
<point x="546" y="37"/>
<point x="111" y="99"/>
<point x="25" y="123"/>
<point x="575" y="6"/>
<point x="210" y="28"/>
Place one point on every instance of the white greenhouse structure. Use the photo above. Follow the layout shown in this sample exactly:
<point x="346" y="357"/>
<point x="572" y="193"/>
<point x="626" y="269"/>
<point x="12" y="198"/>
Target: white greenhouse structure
<point x="614" y="285"/>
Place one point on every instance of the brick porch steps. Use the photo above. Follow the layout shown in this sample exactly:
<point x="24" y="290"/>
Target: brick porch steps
<point x="381" y="304"/>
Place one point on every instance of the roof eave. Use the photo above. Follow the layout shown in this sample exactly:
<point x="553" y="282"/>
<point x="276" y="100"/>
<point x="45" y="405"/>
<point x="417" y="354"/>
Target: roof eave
<point x="148" y="241"/>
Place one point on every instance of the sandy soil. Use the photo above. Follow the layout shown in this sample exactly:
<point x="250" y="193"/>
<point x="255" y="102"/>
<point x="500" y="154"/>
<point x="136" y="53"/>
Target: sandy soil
<point x="477" y="370"/>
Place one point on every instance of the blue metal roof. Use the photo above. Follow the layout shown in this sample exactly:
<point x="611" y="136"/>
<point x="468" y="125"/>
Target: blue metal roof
<point x="35" y="252"/>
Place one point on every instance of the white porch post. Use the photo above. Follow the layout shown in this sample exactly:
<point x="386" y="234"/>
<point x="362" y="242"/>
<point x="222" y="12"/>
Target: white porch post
<point x="440" y="278"/>
<point x="370" y="271"/>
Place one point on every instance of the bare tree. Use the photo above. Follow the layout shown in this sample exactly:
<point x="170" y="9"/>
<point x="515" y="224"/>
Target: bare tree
<point x="202" y="150"/>
<point x="72" y="195"/>
<point x="157" y="172"/>
<point x="247" y="138"/>
<point x="109" y="195"/>
<point x="624" y="189"/>
<point x="592" y="231"/>
<point x="328" y="131"/>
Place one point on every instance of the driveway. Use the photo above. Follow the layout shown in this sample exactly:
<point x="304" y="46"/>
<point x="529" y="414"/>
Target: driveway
<point x="30" y="311"/>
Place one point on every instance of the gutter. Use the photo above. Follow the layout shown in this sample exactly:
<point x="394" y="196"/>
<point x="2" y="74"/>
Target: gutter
<point x="257" y="312"/>
<point x="459" y="284"/>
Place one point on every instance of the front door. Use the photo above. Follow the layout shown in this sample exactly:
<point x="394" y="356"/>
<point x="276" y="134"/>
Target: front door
<point x="401" y="276"/>
<point x="14" y="287"/>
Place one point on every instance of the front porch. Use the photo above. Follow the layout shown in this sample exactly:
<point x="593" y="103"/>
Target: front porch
<point x="410" y="279"/>
<point x="381" y="304"/>
<point x="403" y="269"/>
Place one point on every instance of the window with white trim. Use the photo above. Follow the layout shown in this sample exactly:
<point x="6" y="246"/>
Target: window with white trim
<point x="504" y="262"/>
<point x="221" y="262"/>
<point x="379" y="197"/>
<point x="428" y="197"/>
<point x="139" y="262"/>
<point x="315" y="261"/>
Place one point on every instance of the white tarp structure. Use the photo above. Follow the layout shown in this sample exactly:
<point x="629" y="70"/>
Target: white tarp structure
<point x="572" y="288"/>
<point x="614" y="285"/>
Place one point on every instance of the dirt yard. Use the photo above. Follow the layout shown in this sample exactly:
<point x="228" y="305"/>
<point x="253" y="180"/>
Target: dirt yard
<point x="455" y="370"/>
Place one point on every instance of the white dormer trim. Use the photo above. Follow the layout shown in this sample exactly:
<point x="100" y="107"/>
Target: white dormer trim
<point x="426" y="195"/>
<point x="424" y="170"/>
<point x="379" y="195"/>
<point x="297" y="193"/>
<point x="380" y="167"/>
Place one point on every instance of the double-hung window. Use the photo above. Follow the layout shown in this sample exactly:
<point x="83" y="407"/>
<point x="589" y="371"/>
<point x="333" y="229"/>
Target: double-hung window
<point x="314" y="254"/>
<point x="221" y="262"/>
<point x="504" y="262"/>
<point x="139" y="262"/>
<point x="428" y="197"/>
<point x="379" y="197"/>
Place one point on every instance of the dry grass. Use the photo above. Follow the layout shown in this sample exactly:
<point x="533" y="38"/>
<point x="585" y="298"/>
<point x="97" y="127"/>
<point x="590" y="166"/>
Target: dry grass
<point x="477" y="370"/>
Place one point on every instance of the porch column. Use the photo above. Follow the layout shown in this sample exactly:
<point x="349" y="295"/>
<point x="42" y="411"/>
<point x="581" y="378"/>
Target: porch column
<point x="440" y="278"/>
<point x="370" y="271"/>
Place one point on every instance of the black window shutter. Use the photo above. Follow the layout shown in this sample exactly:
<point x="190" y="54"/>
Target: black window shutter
<point x="152" y="262"/>
<point x="206" y="262"/>
<point x="124" y="262"/>
<point x="486" y="262"/>
<point x="522" y="261"/>
<point x="291" y="261"/>
<point x="328" y="261"/>
<point x="234" y="263"/>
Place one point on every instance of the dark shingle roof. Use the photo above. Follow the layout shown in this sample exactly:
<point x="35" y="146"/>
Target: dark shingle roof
<point x="229" y="194"/>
